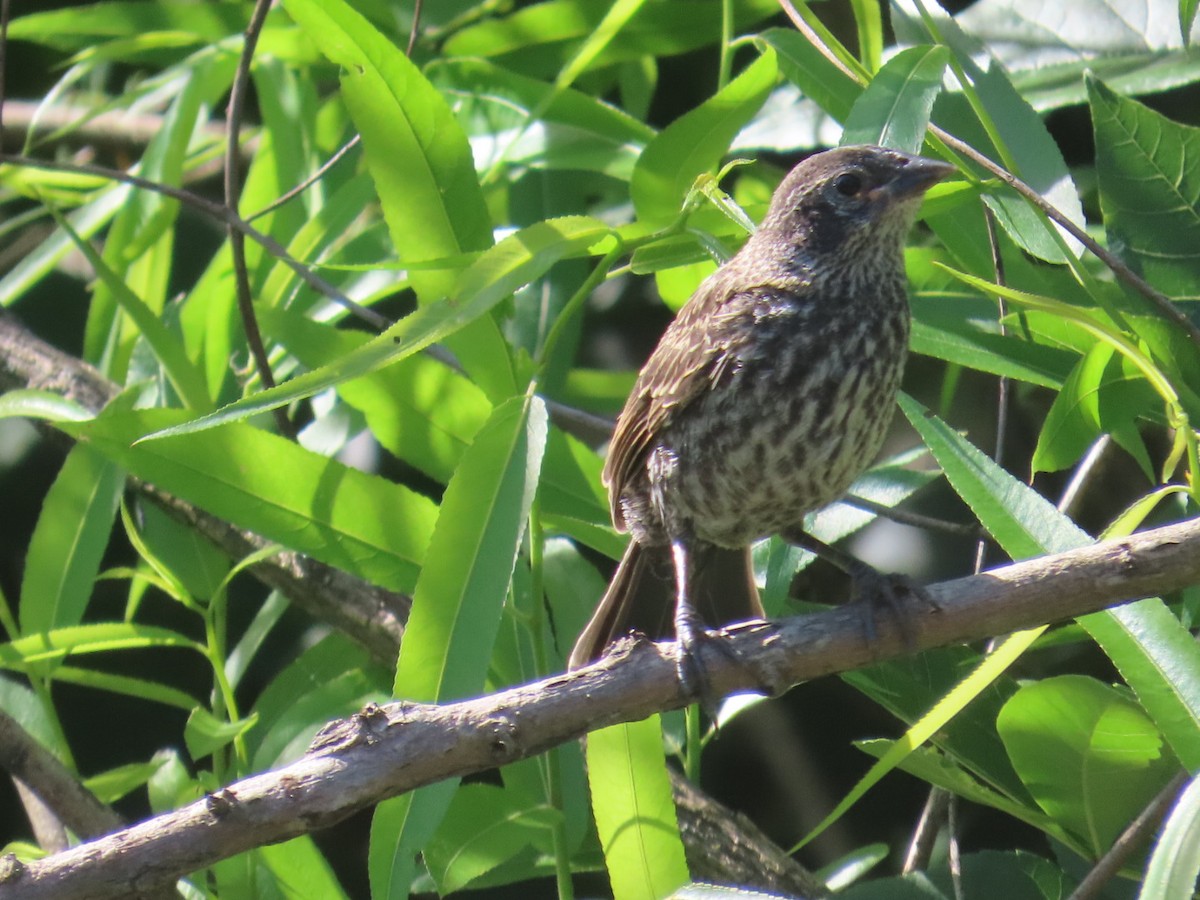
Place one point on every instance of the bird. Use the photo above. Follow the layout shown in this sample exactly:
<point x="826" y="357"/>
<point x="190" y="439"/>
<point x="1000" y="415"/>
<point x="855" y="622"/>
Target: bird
<point x="769" y="393"/>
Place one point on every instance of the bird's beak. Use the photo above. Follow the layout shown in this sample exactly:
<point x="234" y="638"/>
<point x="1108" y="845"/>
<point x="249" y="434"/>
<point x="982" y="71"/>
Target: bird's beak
<point x="918" y="176"/>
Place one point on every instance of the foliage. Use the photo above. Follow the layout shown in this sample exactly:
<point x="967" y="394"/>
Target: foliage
<point x="510" y="172"/>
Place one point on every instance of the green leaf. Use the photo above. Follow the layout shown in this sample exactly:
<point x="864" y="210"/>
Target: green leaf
<point x="541" y="38"/>
<point x="27" y="708"/>
<point x="697" y="141"/>
<point x="111" y="786"/>
<point x="427" y="414"/>
<point x="914" y="886"/>
<point x="456" y="609"/>
<point x="525" y="256"/>
<point x="187" y="380"/>
<point x="812" y="72"/>
<point x="415" y="150"/>
<point x="325" y="229"/>
<point x="1159" y="659"/>
<point x="869" y="23"/>
<point x="635" y="811"/>
<point x="300" y="871"/>
<point x="1037" y="158"/>
<point x="458" y="597"/>
<point x="70" y="29"/>
<point x="45" y="406"/>
<point x="1047" y="51"/>
<point x="1024" y="523"/>
<point x="1153" y="651"/>
<point x="1099" y="397"/>
<point x="576" y="131"/>
<point x="357" y="522"/>
<point x="910" y="687"/>
<point x="1013" y="875"/>
<point x="87" y="220"/>
<point x="1187" y="17"/>
<point x="894" y="109"/>
<point x="1089" y="755"/>
<point x="1175" y="862"/>
<point x="69" y="541"/>
<point x="484" y="827"/>
<point x="411" y="334"/>
<point x="966" y="331"/>
<point x="193" y="560"/>
<point x="63" y="642"/>
<point x="941" y="769"/>
<point x="419" y="409"/>
<point x="139" y="247"/>
<point x="124" y="684"/>
<point x="205" y="733"/>
<point x="1149" y="171"/>
<point x="332" y="679"/>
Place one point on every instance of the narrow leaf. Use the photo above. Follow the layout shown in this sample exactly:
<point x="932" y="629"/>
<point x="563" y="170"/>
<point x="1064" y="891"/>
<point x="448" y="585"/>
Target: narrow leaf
<point x="415" y="149"/>
<point x="69" y="541"/>
<point x="697" y="141"/>
<point x="635" y="811"/>
<point x="456" y="608"/>
<point x="187" y="380"/>
<point x="894" y="110"/>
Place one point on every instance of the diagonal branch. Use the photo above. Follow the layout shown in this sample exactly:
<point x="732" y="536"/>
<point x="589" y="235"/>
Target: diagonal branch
<point x="1168" y="309"/>
<point x="73" y="804"/>
<point x="384" y="751"/>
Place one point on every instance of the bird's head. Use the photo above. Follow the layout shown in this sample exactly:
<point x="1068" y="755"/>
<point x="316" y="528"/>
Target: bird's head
<point x="850" y="200"/>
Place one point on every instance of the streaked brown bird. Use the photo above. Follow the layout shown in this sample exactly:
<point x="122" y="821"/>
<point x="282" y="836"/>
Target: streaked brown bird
<point x="769" y="393"/>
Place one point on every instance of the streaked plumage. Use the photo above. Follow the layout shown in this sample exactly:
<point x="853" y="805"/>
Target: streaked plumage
<point x="769" y="393"/>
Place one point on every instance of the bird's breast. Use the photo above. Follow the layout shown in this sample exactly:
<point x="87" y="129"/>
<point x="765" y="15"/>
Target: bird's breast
<point x="798" y="409"/>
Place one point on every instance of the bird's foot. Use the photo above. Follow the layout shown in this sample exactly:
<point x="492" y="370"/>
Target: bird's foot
<point x="690" y="639"/>
<point x="876" y="590"/>
<point x="693" y="641"/>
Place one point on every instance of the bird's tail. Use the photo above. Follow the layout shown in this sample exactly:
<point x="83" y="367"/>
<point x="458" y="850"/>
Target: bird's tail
<point x="641" y="596"/>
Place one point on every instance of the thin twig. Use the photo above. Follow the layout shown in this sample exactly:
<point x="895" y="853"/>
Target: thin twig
<point x="916" y="520"/>
<point x="218" y="211"/>
<point x="1074" y="489"/>
<point x="1131" y="838"/>
<point x="415" y="31"/>
<point x="310" y="181"/>
<point x="920" y="847"/>
<point x="953" y="848"/>
<point x="237" y="240"/>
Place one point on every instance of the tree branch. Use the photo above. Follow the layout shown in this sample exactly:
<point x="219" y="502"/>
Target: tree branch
<point x="41" y="772"/>
<point x="384" y="751"/>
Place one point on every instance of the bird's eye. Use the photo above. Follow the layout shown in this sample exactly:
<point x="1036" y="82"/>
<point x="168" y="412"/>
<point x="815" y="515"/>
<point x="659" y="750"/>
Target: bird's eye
<point x="847" y="184"/>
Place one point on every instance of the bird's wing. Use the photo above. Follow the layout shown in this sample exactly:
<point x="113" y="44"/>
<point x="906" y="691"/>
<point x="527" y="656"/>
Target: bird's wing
<point x="685" y="362"/>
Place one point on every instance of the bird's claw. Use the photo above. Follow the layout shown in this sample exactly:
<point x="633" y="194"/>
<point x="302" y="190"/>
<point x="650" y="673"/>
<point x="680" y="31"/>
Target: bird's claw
<point x="896" y="593"/>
